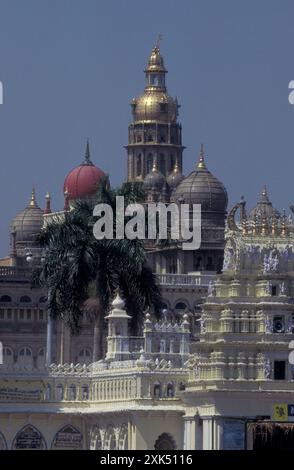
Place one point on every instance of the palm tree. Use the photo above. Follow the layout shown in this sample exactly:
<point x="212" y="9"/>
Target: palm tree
<point x="82" y="273"/>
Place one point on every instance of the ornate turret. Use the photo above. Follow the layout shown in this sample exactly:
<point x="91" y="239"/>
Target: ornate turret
<point x="154" y="132"/>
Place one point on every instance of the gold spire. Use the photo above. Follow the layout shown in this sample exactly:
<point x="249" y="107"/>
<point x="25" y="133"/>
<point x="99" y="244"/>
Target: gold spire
<point x="201" y="164"/>
<point x="33" y="198"/>
<point x="154" y="166"/>
<point x="176" y="167"/>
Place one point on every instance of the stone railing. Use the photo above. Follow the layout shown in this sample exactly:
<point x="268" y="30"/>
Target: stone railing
<point x="185" y="280"/>
<point x="8" y="273"/>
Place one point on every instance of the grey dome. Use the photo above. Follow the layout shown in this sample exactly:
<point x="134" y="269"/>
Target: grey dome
<point x="154" y="180"/>
<point x="202" y="187"/>
<point x="175" y="177"/>
<point x="28" y="223"/>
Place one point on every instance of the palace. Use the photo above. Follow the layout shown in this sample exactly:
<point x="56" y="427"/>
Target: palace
<point x="212" y="373"/>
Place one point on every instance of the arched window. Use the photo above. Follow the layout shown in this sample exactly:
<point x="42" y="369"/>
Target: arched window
<point x="25" y="299"/>
<point x="25" y="357"/>
<point x="41" y="359"/>
<point x="138" y="165"/>
<point x="48" y="392"/>
<point x="72" y="392"/>
<point x="5" y="298"/>
<point x="7" y="357"/>
<point x="149" y="162"/>
<point x="69" y="438"/>
<point x="161" y="163"/>
<point x="110" y="439"/>
<point x="29" y="437"/>
<point x="59" y="392"/>
<point x="123" y="437"/>
<point x="198" y="263"/>
<point x="96" y="439"/>
<point x="181" y="306"/>
<point x="157" y="390"/>
<point x="170" y="390"/>
<point x="85" y="392"/>
<point x="165" y="442"/>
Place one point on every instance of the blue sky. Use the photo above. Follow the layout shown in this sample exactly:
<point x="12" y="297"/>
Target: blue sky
<point x="71" y="67"/>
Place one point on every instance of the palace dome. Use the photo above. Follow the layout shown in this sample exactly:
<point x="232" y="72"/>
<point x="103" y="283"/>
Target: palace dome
<point x="202" y="187"/>
<point x="28" y="223"/>
<point x="83" y="181"/>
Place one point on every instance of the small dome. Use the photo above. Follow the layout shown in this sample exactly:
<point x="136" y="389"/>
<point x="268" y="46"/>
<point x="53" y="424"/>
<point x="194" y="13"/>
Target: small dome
<point x="83" y="181"/>
<point x="154" y="180"/>
<point x="264" y="208"/>
<point x="202" y="187"/>
<point x="175" y="177"/>
<point x="28" y="223"/>
<point x="155" y="62"/>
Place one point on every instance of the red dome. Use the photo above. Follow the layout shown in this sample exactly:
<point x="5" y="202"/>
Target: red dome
<point x="83" y="180"/>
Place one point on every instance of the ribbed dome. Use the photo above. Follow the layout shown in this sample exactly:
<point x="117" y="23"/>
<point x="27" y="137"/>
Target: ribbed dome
<point x="175" y="177"/>
<point x="155" y="106"/>
<point x="264" y="208"/>
<point x="154" y="180"/>
<point x="28" y="223"/>
<point x="83" y="180"/>
<point x="202" y="187"/>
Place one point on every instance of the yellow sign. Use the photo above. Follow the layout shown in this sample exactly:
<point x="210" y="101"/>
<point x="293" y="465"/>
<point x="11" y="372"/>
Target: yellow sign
<point x="280" y="412"/>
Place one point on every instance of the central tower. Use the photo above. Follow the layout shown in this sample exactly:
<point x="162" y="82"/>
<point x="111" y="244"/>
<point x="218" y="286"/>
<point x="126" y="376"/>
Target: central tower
<point x="155" y="136"/>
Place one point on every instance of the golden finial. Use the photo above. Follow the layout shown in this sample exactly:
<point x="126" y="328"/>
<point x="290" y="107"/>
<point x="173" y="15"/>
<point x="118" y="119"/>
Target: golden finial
<point x="154" y="167"/>
<point x="33" y="198"/>
<point x="157" y="43"/>
<point x="201" y="164"/>
<point x="176" y="167"/>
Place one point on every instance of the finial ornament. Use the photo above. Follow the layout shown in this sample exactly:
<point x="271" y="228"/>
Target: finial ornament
<point x="201" y="163"/>
<point x="154" y="166"/>
<point x="264" y="195"/>
<point x="158" y="40"/>
<point x="176" y="167"/>
<point x="48" y="203"/>
<point x="87" y="160"/>
<point x="33" y="198"/>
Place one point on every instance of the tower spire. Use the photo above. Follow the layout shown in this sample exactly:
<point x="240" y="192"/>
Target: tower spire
<point x="87" y="160"/>
<point x="33" y="198"/>
<point x="48" y="204"/>
<point x="201" y="163"/>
